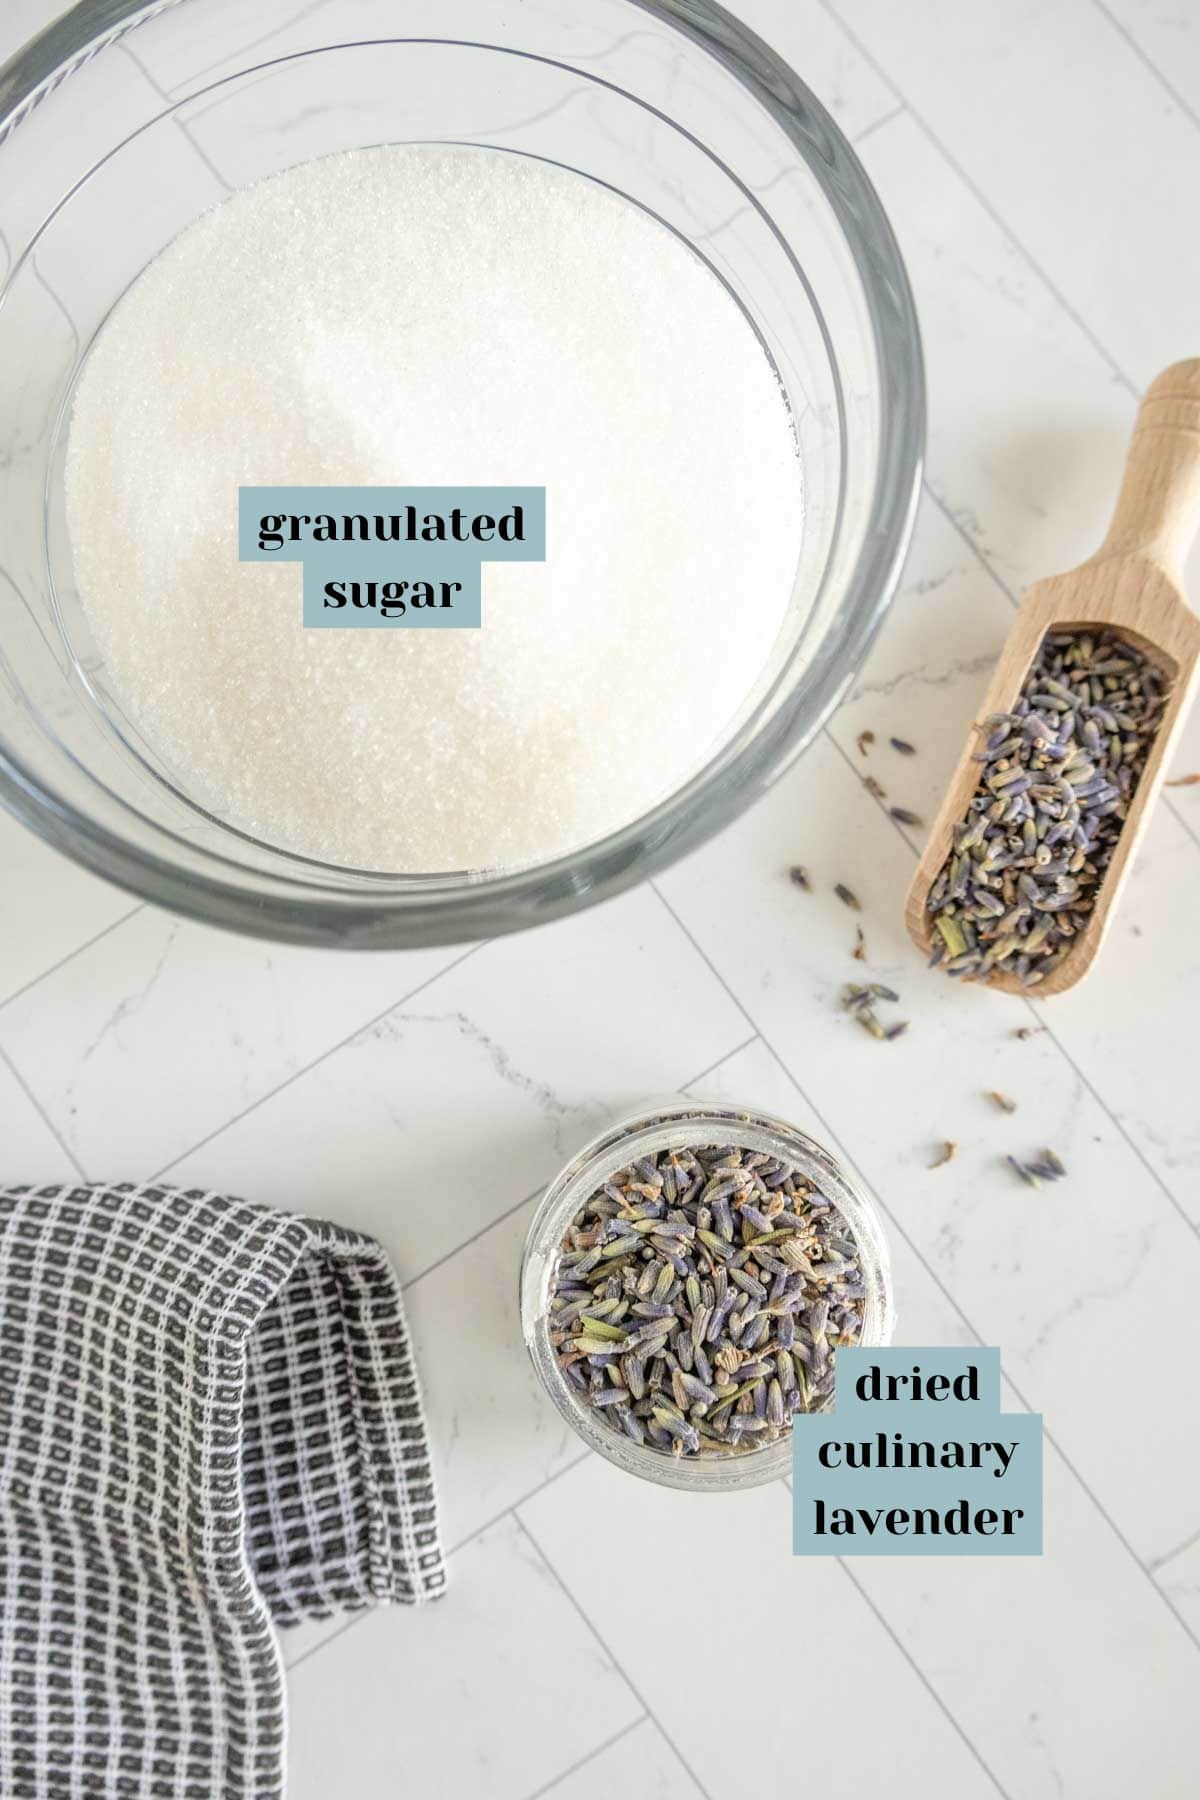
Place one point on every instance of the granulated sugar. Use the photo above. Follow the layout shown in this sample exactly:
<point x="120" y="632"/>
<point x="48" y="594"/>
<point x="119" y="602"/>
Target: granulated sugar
<point x="419" y="316"/>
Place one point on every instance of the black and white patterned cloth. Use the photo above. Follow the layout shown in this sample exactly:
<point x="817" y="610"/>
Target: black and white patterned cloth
<point x="209" y="1420"/>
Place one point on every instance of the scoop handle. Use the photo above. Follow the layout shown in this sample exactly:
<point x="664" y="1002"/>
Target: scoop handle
<point x="1158" y="509"/>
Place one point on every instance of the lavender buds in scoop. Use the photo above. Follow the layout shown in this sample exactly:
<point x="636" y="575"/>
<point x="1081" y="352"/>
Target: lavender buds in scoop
<point x="1057" y="774"/>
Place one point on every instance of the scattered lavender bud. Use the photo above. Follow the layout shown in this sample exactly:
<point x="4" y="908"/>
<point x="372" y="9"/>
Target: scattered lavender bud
<point x="857" y="1001"/>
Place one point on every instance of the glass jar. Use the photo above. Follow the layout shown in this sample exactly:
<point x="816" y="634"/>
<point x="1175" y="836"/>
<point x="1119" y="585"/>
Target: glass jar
<point x="675" y="1125"/>
<point x="127" y="119"/>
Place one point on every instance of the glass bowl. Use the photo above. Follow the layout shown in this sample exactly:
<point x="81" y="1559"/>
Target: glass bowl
<point x="674" y="1125"/>
<point x="127" y="119"/>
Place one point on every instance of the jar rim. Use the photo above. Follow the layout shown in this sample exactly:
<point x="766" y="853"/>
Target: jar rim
<point x="678" y="1123"/>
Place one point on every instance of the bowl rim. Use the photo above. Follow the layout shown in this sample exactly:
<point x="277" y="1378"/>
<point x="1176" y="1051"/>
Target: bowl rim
<point x="396" y="912"/>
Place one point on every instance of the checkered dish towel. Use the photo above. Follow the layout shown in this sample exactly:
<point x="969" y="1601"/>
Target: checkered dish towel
<point x="209" y="1419"/>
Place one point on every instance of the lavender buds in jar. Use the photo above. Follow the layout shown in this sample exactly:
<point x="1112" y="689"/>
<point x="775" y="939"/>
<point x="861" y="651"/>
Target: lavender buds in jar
<point x="688" y="1281"/>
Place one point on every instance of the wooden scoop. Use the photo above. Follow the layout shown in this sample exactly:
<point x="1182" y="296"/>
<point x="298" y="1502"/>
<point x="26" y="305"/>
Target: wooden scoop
<point x="1132" y="586"/>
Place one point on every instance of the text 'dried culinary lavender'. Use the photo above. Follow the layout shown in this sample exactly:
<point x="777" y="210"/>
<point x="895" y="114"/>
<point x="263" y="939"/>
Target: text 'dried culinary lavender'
<point x="917" y="1459"/>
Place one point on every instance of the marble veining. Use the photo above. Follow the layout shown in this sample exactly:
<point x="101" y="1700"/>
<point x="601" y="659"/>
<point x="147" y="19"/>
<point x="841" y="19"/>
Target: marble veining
<point x="1032" y="165"/>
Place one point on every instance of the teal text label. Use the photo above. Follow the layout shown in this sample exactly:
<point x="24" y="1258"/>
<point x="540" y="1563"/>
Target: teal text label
<point x="917" y="1460"/>
<point x="378" y="557"/>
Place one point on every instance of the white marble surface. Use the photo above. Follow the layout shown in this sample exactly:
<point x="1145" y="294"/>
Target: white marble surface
<point x="1041" y="161"/>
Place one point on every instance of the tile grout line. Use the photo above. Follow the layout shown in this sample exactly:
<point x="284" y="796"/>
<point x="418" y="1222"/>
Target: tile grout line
<point x="7" y="1062"/>
<point x="45" y="974"/>
<point x="906" y="107"/>
<point x="583" y="1761"/>
<point x="1076" y="318"/>
<point x="1166" y="800"/>
<point x="756" y="1036"/>
<point x="498" y="1518"/>
<point x="295" y="1075"/>
<point x="1017" y="1393"/>
<point x="1031" y="1006"/>
<point x="720" y="1061"/>
<point x="880" y="805"/>
<point x="922" y="1677"/>
<point x="183" y="125"/>
<point x="638" y="1696"/>
<point x="1193" y="1225"/>
<point x="1178" y="812"/>
<point x="1119" y="1127"/>
<point x="939" y="1284"/>
<point x="198" y="75"/>
<point x="844" y="1565"/>
<point x="455" y="1548"/>
<point x="201" y="153"/>
<point x="509" y="1211"/>
<point x="308" y="1067"/>
<point x="980" y="556"/>
<point x="452" y="1550"/>
<point x="982" y="199"/>
<point x="1147" y="61"/>
<point x="1160" y="1562"/>
<point x="926" y="1683"/>
<point x="441" y="1261"/>
<point x="1013" y="599"/>
<point x="878" y="124"/>
<point x="903" y="106"/>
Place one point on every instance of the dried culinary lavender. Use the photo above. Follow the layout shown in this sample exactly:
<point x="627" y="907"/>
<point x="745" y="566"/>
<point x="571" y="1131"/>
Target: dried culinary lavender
<point x="1047" y="1167"/>
<point x="700" y="1297"/>
<point x="1058" y="774"/>
<point x="859" y="1002"/>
